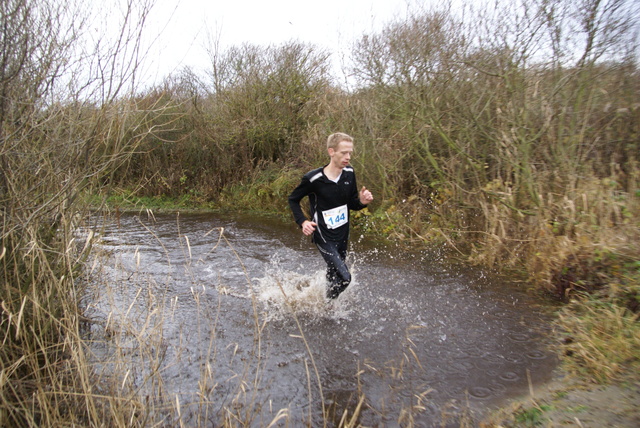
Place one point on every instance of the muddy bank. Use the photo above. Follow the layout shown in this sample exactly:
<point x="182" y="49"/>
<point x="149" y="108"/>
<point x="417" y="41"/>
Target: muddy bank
<point x="570" y="402"/>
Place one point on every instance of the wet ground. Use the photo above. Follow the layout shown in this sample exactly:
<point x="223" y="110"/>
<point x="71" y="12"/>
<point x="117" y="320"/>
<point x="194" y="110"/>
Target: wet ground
<point x="230" y="312"/>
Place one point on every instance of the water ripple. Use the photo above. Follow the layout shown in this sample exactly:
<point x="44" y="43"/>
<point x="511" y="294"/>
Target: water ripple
<point x="480" y="393"/>
<point x="509" y="376"/>
<point x="536" y="354"/>
<point x="519" y="337"/>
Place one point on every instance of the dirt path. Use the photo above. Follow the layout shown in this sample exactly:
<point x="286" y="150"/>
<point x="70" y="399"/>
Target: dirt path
<point x="570" y="403"/>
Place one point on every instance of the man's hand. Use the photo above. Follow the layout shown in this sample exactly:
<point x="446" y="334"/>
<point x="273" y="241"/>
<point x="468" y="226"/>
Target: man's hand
<point x="308" y="227"/>
<point x="365" y="196"/>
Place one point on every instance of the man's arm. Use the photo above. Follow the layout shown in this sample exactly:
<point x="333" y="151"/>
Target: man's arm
<point x="365" y="196"/>
<point x="359" y="200"/>
<point x="295" y="197"/>
<point x="303" y="189"/>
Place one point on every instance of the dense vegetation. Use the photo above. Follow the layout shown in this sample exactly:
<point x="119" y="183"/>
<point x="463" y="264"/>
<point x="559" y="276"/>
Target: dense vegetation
<point x="512" y="138"/>
<point x="516" y="142"/>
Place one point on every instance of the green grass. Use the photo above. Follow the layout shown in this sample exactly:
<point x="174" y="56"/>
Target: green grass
<point x="532" y="417"/>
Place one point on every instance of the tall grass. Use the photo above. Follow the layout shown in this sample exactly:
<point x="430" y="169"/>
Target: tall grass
<point x="65" y="125"/>
<point x="602" y="340"/>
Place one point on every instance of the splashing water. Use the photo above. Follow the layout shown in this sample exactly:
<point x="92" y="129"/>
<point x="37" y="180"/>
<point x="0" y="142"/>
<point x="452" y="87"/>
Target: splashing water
<point x="284" y="293"/>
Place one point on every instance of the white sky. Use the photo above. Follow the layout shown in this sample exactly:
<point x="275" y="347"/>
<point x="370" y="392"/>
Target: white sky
<point x="331" y="24"/>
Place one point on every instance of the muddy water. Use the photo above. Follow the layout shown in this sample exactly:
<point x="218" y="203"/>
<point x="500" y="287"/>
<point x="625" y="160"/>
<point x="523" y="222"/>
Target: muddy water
<point x="232" y="315"/>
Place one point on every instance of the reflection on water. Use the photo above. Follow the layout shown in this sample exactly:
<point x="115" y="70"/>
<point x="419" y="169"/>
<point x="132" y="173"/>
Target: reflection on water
<point x="231" y="312"/>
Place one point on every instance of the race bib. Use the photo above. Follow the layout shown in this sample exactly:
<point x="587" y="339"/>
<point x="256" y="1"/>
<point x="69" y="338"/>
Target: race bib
<point x="335" y="217"/>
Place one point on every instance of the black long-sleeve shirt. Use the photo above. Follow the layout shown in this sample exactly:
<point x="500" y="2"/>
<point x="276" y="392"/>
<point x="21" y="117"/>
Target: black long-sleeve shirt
<point x="326" y="195"/>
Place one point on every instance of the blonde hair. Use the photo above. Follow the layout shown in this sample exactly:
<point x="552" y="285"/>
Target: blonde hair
<point x="337" y="138"/>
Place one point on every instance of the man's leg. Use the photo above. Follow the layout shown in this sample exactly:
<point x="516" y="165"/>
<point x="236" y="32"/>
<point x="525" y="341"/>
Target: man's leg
<point x="338" y="275"/>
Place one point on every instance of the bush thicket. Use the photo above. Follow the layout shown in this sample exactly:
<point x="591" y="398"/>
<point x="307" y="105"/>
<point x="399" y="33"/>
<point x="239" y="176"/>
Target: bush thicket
<point x="512" y="136"/>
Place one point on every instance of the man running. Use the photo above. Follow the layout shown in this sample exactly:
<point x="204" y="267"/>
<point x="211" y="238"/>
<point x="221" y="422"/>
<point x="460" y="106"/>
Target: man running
<point x="332" y="192"/>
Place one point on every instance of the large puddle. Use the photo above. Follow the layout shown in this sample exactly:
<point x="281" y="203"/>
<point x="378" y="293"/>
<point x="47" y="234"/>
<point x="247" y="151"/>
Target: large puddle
<point x="228" y="315"/>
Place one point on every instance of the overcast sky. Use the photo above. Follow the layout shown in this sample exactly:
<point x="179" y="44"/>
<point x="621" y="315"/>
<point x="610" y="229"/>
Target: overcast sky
<point x="333" y="24"/>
